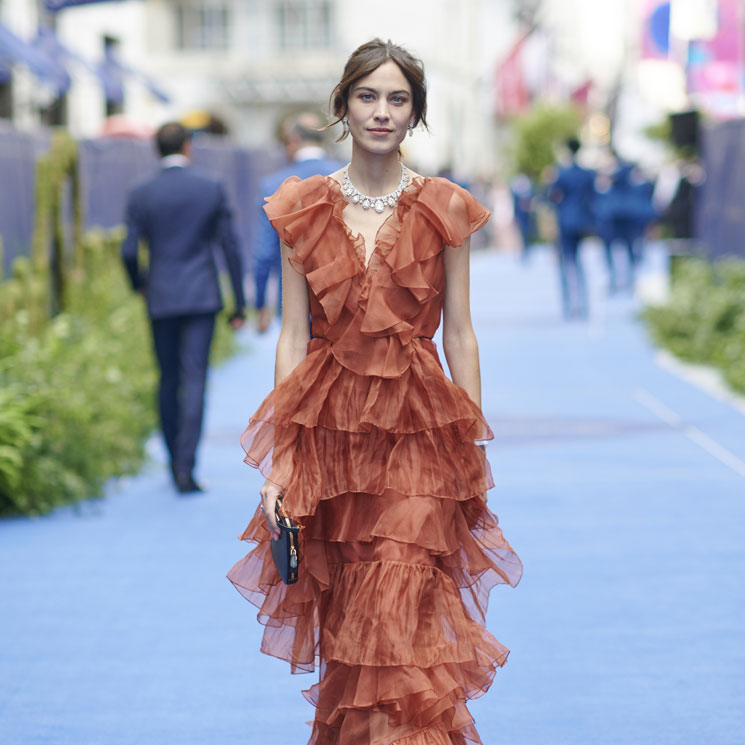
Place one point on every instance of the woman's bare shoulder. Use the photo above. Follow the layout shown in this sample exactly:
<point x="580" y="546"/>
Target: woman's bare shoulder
<point x="338" y="176"/>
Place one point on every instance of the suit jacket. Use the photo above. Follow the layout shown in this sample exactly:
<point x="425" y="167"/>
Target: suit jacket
<point x="574" y="192"/>
<point x="625" y="210"/>
<point x="181" y="214"/>
<point x="267" y="256"/>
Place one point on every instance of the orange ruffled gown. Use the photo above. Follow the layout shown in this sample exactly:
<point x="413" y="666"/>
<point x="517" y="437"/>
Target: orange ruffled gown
<point x="375" y="448"/>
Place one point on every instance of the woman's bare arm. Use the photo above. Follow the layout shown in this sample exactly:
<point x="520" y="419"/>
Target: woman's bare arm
<point x="295" y="334"/>
<point x="458" y="338"/>
<point x="291" y="350"/>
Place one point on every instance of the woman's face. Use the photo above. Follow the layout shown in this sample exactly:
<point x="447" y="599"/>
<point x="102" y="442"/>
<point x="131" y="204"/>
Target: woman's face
<point x="380" y="109"/>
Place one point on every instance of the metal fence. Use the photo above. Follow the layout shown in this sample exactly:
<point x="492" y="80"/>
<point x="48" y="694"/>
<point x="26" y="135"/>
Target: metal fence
<point x="109" y="168"/>
<point x="18" y="154"/>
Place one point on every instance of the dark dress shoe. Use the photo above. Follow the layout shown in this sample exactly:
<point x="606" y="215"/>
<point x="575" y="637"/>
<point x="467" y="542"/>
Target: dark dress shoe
<point x="185" y="484"/>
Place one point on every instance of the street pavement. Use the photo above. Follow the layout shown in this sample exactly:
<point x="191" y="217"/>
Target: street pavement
<point x="621" y="485"/>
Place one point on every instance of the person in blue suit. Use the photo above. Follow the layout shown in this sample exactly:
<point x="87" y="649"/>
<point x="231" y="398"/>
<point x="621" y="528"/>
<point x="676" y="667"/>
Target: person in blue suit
<point x="180" y="215"/>
<point x="573" y="194"/>
<point x="645" y="213"/>
<point x="302" y="135"/>
<point x="624" y="211"/>
<point x="523" y="203"/>
<point x="614" y="205"/>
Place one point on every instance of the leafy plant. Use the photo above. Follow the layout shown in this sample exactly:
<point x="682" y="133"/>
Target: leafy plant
<point x="704" y="320"/>
<point x="77" y="400"/>
<point x="537" y="135"/>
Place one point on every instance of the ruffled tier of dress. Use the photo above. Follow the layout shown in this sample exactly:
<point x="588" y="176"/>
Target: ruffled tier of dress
<point x="399" y="554"/>
<point x="398" y="649"/>
<point x="375" y="449"/>
<point x="390" y="672"/>
<point x="405" y="434"/>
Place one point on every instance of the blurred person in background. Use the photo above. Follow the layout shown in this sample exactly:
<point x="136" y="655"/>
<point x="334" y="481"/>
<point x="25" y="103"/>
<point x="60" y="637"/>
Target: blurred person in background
<point x="302" y="136"/>
<point x="614" y="204"/>
<point x="180" y="215"/>
<point x="368" y="445"/>
<point x="573" y="196"/>
<point x="623" y="212"/>
<point x="645" y="213"/>
<point x="523" y="202"/>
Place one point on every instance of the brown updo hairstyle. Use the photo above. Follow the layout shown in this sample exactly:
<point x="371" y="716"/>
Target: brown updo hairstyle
<point x="370" y="57"/>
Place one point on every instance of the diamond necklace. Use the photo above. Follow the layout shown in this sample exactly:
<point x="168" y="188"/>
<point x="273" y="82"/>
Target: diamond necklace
<point x="377" y="203"/>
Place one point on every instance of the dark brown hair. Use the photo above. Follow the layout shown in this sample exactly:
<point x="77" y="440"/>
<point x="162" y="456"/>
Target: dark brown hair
<point x="368" y="58"/>
<point x="171" y="138"/>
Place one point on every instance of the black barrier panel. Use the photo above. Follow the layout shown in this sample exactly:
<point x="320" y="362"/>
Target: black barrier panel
<point x="18" y="153"/>
<point x="684" y="129"/>
<point x="720" y="213"/>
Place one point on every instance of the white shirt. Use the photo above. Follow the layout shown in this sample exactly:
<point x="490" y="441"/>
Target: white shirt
<point x="310" y="152"/>
<point x="176" y="160"/>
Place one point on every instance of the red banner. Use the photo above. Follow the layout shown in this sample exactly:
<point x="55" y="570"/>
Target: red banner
<point x="513" y="96"/>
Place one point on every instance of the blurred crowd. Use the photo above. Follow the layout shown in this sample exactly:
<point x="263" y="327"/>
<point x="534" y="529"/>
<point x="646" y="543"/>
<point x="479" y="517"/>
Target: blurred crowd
<point x="617" y="202"/>
<point x="611" y="199"/>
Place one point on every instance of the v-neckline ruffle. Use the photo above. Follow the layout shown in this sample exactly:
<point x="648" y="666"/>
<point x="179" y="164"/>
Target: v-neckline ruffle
<point x="388" y="231"/>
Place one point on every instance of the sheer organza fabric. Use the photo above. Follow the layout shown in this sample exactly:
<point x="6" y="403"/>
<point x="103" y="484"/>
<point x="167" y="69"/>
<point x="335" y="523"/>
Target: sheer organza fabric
<point x="374" y="446"/>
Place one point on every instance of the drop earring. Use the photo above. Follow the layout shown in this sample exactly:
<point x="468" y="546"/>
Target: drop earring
<point x="411" y="129"/>
<point x="345" y="125"/>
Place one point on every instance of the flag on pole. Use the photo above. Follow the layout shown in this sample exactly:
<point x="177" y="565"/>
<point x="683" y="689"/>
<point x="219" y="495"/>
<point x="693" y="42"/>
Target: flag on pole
<point x="513" y="96"/>
<point x="55" y="5"/>
<point x="13" y="49"/>
<point x="580" y="96"/>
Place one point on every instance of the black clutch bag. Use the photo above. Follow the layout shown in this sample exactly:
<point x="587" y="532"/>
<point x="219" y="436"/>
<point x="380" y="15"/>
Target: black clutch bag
<point x="285" y="549"/>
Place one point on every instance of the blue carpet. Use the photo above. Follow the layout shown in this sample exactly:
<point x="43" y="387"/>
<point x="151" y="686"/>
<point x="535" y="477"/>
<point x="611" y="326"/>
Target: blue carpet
<point x="118" y="627"/>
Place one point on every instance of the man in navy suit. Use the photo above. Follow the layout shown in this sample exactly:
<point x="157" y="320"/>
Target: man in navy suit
<point x="302" y="135"/>
<point x="623" y="213"/>
<point x="573" y="193"/>
<point x="181" y="214"/>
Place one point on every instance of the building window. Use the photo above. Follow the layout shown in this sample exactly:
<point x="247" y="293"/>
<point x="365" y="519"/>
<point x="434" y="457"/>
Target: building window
<point x="304" y="24"/>
<point x="202" y="24"/>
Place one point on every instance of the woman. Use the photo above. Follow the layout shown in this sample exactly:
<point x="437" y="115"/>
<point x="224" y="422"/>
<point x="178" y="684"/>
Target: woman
<point x="372" y="449"/>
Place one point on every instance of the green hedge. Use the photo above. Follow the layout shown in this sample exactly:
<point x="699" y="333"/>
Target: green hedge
<point x="538" y="134"/>
<point x="704" y="320"/>
<point x="77" y="375"/>
<point x="77" y="401"/>
<point x="77" y="397"/>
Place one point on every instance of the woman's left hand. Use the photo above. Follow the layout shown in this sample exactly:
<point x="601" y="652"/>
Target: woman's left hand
<point x="270" y="492"/>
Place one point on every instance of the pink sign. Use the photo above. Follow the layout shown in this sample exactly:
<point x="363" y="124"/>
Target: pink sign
<point x="716" y="66"/>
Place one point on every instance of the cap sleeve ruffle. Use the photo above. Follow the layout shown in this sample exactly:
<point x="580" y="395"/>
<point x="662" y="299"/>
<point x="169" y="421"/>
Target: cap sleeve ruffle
<point x="307" y="218"/>
<point x="300" y="211"/>
<point x="452" y="210"/>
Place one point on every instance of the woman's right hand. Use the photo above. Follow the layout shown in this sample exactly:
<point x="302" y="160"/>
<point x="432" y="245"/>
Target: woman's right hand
<point x="270" y="492"/>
